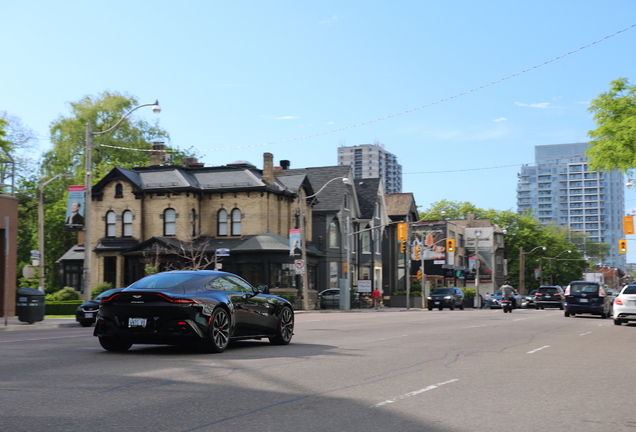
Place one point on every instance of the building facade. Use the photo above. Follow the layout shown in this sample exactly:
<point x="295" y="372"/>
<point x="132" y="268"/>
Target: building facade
<point x="560" y="188"/>
<point x="372" y="161"/>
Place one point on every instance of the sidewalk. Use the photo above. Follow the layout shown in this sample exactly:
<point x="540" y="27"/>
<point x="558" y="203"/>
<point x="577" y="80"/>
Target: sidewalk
<point x="12" y="323"/>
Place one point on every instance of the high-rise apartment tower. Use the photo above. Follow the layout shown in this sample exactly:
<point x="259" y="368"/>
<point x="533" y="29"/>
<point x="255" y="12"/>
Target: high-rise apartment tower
<point x="560" y="188"/>
<point x="372" y="161"/>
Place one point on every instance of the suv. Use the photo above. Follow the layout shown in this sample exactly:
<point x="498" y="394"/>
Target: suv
<point x="587" y="297"/>
<point x="446" y="297"/>
<point x="549" y="296"/>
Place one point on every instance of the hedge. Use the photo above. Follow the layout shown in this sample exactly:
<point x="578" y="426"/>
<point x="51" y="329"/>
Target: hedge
<point x="66" y="307"/>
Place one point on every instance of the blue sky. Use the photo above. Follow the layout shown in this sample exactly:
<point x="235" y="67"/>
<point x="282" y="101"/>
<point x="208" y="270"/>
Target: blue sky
<point x="299" y="79"/>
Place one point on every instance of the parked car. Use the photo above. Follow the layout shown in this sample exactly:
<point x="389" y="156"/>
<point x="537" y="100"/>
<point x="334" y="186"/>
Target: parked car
<point x="587" y="297"/>
<point x="549" y="296"/>
<point x="330" y="299"/>
<point x="529" y="299"/>
<point x="204" y="308"/>
<point x="446" y="297"/>
<point x="86" y="313"/>
<point x="625" y="305"/>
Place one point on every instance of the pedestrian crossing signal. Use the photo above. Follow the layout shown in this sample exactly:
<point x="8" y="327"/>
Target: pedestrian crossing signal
<point x="450" y="245"/>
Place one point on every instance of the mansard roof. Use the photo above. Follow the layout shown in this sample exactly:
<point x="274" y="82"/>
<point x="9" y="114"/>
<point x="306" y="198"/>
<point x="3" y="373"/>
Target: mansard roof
<point x="195" y="179"/>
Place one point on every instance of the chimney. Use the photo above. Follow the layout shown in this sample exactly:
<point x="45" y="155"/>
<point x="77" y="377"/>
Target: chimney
<point x="268" y="168"/>
<point x="157" y="153"/>
<point x="284" y="164"/>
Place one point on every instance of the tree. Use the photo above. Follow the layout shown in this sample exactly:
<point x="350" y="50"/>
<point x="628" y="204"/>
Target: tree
<point x="613" y="142"/>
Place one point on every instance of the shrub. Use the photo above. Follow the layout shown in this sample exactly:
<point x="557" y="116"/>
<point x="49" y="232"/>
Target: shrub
<point x="67" y="307"/>
<point x="100" y="288"/>
<point x="289" y="298"/>
<point x="66" y="293"/>
<point x="469" y="293"/>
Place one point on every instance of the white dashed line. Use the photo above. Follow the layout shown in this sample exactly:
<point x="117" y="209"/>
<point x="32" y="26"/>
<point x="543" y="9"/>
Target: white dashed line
<point x="538" y="349"/>
<point x="413" y="393"/>
<point x="583" y="334"/>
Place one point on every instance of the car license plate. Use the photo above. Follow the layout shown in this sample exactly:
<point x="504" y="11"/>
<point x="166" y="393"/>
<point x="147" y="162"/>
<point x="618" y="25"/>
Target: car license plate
<point x="436" y="302"/>
<point x="548" y="297"/>
<point x="136" y="322"/>
<point x="89" y="314"/>
<point x="582" y="300"/>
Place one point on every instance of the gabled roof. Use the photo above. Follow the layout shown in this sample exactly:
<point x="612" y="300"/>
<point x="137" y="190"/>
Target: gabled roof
<point x="401" y="205"/>
<point x="367" y="191"/>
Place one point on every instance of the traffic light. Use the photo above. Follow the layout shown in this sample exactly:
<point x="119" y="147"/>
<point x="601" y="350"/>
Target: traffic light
<point x="418" y="276"/>
<point x="418" y="249"/>
<point x="450" y="245"/>
<point x="402" y="246"/>
<point x="622" y="246"/>
<point x="628" y="225"/>
<point x="402" y="230"/>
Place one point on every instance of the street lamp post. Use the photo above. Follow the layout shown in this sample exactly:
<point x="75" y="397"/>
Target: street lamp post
<point x="41" y="185"/>
<point x="551" y="260"/>
<point x="477" y="235"/>
<point x="88" y="155"/>
<point x="303" y="246"/>
<point x="522" y="264"/>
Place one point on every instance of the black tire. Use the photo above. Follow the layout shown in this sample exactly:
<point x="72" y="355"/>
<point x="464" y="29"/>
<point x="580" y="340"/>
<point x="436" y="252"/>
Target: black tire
<point x="561" y="307"/>
<point x="430" y="308"/>
<point x="441" y="308"/>
<point x="114" y="344"/>
<point x="452" y="307"/>
<point x="566" y="313"/>
<point x="461" y="306"/>
<point x="86" y="323"/>
<point x="284" y="328"/>
<point x="603" y="315"/>
<point x="618" y="322"/>
<point x="219" y="331"/>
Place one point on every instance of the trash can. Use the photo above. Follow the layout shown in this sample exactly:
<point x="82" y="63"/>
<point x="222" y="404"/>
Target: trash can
<point x="30" y="305"/>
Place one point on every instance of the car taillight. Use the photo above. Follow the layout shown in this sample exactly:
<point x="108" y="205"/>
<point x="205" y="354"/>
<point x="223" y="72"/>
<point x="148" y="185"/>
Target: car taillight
<point x="557" y="295"/>
<point x="618" y="302"/>
<point x="538" y="294"/>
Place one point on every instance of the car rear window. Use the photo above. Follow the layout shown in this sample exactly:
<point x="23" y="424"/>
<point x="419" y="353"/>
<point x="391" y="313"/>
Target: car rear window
<point x="164" y="281"/>
<point x="550" y="290"/>
<point x="630" y="289"/>
<point x="584" y="288"/>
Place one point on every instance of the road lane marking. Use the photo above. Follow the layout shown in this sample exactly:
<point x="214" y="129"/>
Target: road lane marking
<point x="538" y="349"/>
<point x="520" y="319"/>
<point x="387" y="338"/>
<point x="583" y="334"/>
<point x="413" y="393"/>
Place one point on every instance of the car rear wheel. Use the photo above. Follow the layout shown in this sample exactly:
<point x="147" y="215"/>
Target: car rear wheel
<point x="285" y="327"/>
<point x="566" y="313"/>
<point x="430" y="308"/>
<point x="618" y="322"/>
<point x="114" y="343"/>
<point x="219" y="336"/>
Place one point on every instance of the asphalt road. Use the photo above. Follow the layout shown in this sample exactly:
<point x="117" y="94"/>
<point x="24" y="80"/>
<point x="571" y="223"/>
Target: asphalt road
<point x="365" y="371"/>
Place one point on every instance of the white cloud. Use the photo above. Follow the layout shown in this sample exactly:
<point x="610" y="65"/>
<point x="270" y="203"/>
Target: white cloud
<point x="500" y="119"/>
<point x="269" y="117"/>
<point x="330" y="21"/>
<point x="542" y="105"/>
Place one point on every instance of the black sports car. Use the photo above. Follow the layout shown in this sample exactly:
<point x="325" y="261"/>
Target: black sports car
<point x="205" y="308"/>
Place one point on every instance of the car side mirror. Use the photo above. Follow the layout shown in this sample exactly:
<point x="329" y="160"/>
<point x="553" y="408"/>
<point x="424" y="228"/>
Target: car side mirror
<point x="261" y="288"/>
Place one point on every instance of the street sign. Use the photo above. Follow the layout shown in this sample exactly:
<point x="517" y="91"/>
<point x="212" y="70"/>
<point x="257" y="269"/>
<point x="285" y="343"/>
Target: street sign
<point x="299" y="265"/>
<point x="35" y="254"/>
<point x="222" y="252"/>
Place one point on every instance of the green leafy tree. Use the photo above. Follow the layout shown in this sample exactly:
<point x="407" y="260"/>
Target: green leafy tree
<point x="613" y="142"/>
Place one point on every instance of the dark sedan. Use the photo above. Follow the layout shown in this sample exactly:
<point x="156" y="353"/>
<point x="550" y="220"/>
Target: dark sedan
<point x="446" y="297"/>
<point x="86" y="313"/>
<point x="204" y="308"/>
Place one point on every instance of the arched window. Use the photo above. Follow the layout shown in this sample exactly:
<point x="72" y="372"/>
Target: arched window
<point x="236" y="222"/>
<point x="127" y="223"/>
<point x="221" y="228"/>
<point x="170" y="222"/>
<point x="334" y="239"/>
<point x="119" y="190"/>
<point x="111" y="224"/>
